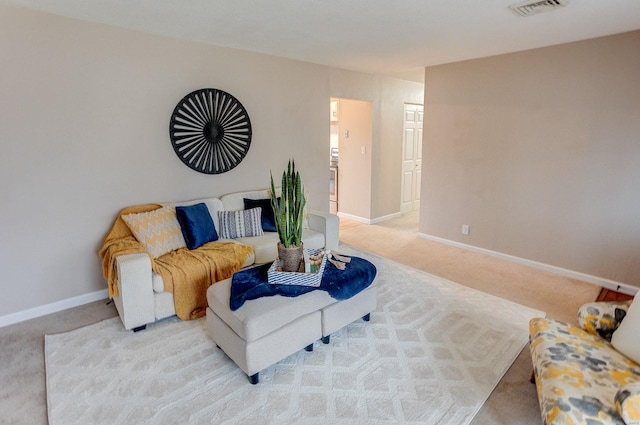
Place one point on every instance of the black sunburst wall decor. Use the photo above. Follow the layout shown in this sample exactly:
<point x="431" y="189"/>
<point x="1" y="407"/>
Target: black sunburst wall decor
<point x="210" y="131"/>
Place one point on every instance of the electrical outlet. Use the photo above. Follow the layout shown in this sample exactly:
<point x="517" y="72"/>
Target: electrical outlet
<point x="465" y="229"/>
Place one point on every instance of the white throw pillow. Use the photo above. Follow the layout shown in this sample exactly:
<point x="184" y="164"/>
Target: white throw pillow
<point x="626" y="339"/>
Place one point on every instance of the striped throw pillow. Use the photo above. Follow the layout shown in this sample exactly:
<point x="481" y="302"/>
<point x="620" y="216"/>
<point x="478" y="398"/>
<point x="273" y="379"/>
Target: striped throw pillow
<point x="241" y="223"/>
<point x="158" y="230"/>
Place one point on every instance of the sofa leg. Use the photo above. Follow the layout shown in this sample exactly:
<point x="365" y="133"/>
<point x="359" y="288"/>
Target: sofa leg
<point x="309" y="347"/>
<point x="254" y="379"/>
<point x="326" y="339"/>
<point x="366" y="317"/>
<point x="140" y="328"/>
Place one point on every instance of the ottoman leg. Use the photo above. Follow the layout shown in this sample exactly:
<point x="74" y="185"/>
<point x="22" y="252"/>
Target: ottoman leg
<point x="309" y="347"/>
<point x="254" y="379"/>
<point x="366" y="317"/>
<point x="326" y="339"/>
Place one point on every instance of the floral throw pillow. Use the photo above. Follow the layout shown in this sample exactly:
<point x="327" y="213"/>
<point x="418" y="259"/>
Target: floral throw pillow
<point x="628" y="403"/>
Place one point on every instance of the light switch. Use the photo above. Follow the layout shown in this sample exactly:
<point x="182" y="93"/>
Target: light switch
<point x="346" y="134"/>
<point x="364" y="150"/>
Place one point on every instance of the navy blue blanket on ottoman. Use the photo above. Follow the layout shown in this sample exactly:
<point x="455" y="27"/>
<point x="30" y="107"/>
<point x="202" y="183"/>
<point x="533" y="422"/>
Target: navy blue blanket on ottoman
<point x="340" y="284"/>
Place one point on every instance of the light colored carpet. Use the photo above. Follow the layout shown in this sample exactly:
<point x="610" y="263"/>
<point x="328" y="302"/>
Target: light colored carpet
<point x="514" y="401"/>
<point x="432" y="353"/>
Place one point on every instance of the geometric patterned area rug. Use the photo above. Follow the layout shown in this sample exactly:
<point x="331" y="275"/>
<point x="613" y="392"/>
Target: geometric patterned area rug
<point x="431" y="354"/>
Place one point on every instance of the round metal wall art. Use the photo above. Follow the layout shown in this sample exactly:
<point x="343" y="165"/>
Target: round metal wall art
<point x="210" y="131"/>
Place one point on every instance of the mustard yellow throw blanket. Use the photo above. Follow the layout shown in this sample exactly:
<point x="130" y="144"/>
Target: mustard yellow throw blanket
<point x="120" y="241"/>
<point x="187" y="274"/>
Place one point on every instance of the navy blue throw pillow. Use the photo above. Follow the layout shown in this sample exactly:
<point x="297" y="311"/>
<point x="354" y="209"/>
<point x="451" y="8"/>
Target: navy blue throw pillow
<point x="197" y="225"/>
<point x="268" y="219"/>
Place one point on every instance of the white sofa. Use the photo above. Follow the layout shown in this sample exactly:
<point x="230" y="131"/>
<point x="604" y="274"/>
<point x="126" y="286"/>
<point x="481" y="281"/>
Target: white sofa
<point x="142" y="298"/>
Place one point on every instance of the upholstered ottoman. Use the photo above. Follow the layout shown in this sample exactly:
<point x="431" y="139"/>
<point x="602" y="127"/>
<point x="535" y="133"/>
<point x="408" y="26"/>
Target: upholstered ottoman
<point x="341" y="313"/>
<point x="257" y="324"/>
<point x="266" y="330"/>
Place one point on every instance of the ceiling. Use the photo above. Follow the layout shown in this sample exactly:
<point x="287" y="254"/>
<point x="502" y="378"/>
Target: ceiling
<point x="397" y="38"/>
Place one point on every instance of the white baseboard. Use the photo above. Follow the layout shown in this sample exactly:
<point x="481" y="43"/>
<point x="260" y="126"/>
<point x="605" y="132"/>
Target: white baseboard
<point x="368" y="220"/>
<point x="386" y="217"/>
<point x="595" y="280"/>
<point x="55" y="307"/>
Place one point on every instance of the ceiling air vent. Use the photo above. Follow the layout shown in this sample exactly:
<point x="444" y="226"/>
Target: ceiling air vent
<point x="533" y="7"/>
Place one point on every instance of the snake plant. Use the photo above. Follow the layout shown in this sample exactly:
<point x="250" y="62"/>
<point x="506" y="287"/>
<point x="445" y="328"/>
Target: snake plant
<point x="288" y="210"/>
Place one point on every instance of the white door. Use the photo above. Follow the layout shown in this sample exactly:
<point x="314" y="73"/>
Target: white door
<point x="411" y="157"/>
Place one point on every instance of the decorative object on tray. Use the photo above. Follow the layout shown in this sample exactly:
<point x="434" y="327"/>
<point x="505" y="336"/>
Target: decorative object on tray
<point x="340" y="257"/>
<point x="289" y="215"/>
<point x="310" y="271"/>
<point x="312" y="262"/>
<point x="210" y="131"/>
<point x="278" y="276"/>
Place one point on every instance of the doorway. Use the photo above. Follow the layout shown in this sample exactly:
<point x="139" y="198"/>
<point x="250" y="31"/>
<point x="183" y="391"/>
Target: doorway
<point x="350" y="158"/>
<point x="411" y="157"/>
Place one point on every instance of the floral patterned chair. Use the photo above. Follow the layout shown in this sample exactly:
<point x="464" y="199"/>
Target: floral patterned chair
<point x="580" y="377"/>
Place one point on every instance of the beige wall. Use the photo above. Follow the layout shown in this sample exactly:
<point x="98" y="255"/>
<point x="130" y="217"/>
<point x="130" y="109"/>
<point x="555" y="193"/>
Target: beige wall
<point x="84" y="125"/>
<point x="354" y="170"/>
<point x="387" y="153"/>
<point x="84" y="130"/>
<point x="539" y="152"/>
